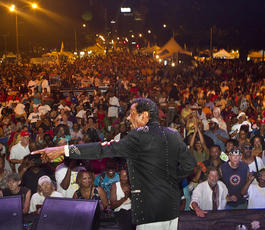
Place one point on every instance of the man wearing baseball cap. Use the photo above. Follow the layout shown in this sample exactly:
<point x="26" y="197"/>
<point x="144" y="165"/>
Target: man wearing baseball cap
<point x="234" y="175"/>
<point x="20" y="150"/>
<point x="219" y="136"/>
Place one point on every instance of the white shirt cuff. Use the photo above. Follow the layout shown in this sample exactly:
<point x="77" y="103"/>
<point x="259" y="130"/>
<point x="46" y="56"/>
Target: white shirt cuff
<point x="66" y="150"/>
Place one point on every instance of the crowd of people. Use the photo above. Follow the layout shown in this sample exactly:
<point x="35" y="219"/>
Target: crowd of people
<point x="217" y="107"/>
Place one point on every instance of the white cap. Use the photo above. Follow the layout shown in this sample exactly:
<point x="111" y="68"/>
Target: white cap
<point x="44" y="179"/>
<point x="240" y="115"/>
<point x="215" y="120"/>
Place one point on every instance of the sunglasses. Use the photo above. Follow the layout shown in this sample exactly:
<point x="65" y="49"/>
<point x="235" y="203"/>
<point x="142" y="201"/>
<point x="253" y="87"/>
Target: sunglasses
<point x="235" y="152"/>
<point x="248" y="148"/>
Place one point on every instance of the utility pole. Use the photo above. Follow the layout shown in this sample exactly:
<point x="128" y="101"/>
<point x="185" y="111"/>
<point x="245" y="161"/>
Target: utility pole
<point x="211" y="42"/>
<point x="17" y="46"/>
<point x="5" y="42"/>
<point x="75" y="41"/>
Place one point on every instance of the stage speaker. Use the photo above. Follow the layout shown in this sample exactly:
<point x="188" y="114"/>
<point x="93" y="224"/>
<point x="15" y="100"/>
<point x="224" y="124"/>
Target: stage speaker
<point x="11" y="213"/>
<point x="68" y="214"/>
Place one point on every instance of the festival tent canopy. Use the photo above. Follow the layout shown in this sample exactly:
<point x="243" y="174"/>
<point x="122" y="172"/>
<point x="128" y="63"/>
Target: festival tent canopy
<point x="95" y="49"/>
<point x="150" y="50"/>
<point x="256" y="54"/>
<point x="223" y="54"/>
<point x="170" y="48"/>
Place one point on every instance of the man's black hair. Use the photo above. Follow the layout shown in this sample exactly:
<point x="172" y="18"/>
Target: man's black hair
<point x="216" y="146"/>
<point x="145" y="104"/>
<point x="111" y="164"/>
<point x="233" y="141"/>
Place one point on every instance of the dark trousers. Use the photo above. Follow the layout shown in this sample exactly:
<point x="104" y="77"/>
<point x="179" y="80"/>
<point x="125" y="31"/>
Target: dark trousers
<point x="124" y="219"/>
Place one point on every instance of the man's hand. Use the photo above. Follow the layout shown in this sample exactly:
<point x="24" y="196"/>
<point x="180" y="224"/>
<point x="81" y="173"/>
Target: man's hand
<point x="200" y="213"/>
<point x="232" y="198"/>
<point x="27" y="163"/>
<point x="250" y="178"/>
<point x="50" y="153"/>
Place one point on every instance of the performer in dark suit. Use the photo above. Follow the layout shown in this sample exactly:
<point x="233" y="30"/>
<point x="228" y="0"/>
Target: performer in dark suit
<point x="157" y="160"/>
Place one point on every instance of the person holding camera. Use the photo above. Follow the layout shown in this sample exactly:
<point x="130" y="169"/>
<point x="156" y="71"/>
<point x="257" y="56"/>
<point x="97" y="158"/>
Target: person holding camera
<point x="255" y="192"/>
<point x="30" y="171"/>
<point x="255" y="163"/>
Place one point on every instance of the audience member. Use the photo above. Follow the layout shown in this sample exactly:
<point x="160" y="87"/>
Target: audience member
<point x="255" y="192"/>
<point x="218" y="135"/>
<point x="107" y="178"/>
<point x="209" y="195"/>
<point x="120" y="201"/>
<point x="234" y="175"/>
<point x="20" y="150"/>
<point x="87" y="190"/>
<point x="45" y="189"/>
<point x="65" y="175"/>
<point x="3" y="173"/>
<point x="13" y="188"/>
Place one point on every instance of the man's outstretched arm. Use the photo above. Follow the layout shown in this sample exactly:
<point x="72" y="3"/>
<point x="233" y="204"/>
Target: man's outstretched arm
<point x="126" y="147"/>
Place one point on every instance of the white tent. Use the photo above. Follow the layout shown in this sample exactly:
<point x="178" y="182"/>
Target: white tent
<point x="234" y="54"/>
<point x="150" y="50"/>
<point x="256" y="54"/>
<point x="222" y="54"/>
<point x="95" y="49"/>
<point x="170" y="48"/>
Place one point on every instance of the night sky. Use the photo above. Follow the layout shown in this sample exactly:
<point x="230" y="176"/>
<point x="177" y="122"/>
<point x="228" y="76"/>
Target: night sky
<point x="236" y="23"/>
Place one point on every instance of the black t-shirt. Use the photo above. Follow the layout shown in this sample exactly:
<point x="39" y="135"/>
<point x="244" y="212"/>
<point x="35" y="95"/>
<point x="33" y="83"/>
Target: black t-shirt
<point x="22" y="192"/>
<point x="30" y="179"/>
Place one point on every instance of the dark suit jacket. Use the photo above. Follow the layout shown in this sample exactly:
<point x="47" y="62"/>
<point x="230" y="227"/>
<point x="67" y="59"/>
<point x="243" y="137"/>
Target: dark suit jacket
<point x="157" y="160"/>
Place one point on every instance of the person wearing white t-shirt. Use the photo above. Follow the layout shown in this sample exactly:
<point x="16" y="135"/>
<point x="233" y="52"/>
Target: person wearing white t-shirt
<point x="45" y="85"/>
<point x="34" y="116"/>
<point x="65" y="175"/>
<point x="45" y="189"/>
<point x="63" y="106"/>
<point x="20" y="110"/>
<point x="255" y="192"/>
<point x="44" y="109"/>
<point x="113" y="106"/>
<point x="32" y="84"/>
<point x="81" y="114"/>
<point x="20" y="150"/>
<point x="242" y="120"/>
<point x="252" y="166"/>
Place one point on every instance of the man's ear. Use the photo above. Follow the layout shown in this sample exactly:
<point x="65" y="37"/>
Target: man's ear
<point x="145" y="117"/>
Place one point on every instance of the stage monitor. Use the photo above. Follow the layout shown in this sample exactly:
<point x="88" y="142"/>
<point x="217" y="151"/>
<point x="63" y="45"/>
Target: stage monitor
<point x="11" y="213"/>
<point x="68" y="214"/>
